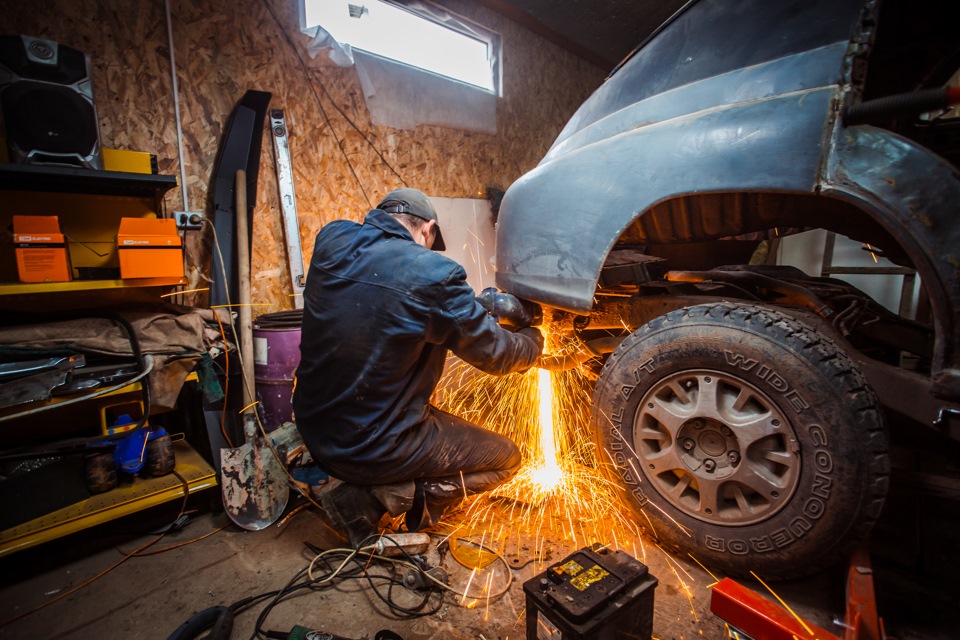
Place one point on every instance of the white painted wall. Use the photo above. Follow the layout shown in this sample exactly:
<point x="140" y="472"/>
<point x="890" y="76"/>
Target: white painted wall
<point x="467" y="226"/>
<point x="805" y="251"/>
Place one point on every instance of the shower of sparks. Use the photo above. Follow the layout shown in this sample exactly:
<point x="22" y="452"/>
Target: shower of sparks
<point x="784" y="604"/>
<point x="560" y="495"/>
<point x="561" y="500"/>
<point x="547" y="476"/>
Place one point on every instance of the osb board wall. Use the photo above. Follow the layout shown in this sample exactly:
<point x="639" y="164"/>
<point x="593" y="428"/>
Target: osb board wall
<point x="223" y="48"/>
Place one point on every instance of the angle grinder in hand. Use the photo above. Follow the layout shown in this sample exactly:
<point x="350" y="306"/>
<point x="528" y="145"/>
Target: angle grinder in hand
<point x="510" y="310"/>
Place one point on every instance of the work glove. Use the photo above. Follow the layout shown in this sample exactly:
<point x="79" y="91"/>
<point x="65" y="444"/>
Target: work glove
<point x="510" y="310"/>
<point x="534" y="333"/>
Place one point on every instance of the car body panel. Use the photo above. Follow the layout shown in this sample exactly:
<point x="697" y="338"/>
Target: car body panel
<point x="915" y="195"/>
<point x="731" y="94"/>
<point x="798" y="72"/>
<point x="558" y="222"/>
<point x="709" y="38"/>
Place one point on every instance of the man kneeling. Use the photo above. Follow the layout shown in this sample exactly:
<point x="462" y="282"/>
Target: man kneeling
<point x="381" y="311"/>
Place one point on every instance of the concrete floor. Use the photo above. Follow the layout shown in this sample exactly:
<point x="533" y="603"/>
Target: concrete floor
<point x="914" y="551"/>
<point x="148" y="597"/>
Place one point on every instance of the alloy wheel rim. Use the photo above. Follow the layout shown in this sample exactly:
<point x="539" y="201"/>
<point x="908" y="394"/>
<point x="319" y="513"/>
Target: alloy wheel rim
<point x="717" y="447"/>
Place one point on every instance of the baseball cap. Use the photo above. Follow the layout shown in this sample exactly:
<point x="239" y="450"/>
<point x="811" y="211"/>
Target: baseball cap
<point x="416" y="203"/>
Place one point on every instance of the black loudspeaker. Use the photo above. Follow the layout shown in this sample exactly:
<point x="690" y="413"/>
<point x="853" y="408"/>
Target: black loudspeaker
<point x="46" y="98"/>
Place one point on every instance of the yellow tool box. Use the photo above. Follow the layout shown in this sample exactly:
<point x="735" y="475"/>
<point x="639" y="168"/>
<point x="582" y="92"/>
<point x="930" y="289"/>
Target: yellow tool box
<point x="128" y="161"/>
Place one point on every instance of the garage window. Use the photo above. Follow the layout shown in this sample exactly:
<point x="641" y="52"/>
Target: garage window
<point x="417" y="63"/>
<point x="410" y="35"/>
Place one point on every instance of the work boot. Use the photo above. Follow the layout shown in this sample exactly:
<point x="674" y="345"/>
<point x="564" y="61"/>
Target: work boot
<point x="433" y="498"/>
<point x="397" y="498"/>
<point x="354" y="510"/>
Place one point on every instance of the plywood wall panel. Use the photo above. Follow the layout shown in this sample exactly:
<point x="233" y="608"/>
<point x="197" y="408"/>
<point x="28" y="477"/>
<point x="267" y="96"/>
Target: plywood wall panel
<point x="342" y="163"/>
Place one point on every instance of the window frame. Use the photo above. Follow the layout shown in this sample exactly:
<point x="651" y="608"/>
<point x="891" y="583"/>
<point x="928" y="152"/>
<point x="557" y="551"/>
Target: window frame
<point x="440" y="16"/>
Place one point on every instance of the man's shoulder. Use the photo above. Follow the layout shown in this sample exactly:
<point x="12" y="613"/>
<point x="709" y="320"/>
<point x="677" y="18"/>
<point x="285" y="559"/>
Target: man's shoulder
<point x="335" y="234"/>
<point x="335" y="226"/>
<point x="436" y="263"/>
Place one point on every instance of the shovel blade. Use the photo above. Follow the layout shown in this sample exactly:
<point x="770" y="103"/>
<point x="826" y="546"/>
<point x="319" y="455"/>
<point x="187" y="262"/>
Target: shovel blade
<point x="254" y="486"/>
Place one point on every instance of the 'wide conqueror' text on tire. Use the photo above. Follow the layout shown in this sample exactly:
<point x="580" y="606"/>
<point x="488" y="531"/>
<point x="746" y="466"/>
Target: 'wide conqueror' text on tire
<point x="745" y="437"/>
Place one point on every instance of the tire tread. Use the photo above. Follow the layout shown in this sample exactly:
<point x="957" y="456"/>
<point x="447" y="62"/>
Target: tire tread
<point x="827" y="356"/>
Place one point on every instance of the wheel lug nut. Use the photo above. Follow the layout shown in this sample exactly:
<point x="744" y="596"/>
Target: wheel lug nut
<point x="725" y="431"/>
<point x="733" y="457"/>
<point x="688" y="444"/>
<point x="709" y="465"/>
<point x="697" y="424"/>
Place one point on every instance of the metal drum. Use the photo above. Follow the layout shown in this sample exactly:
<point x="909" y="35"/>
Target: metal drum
<point x="276" y="354"/>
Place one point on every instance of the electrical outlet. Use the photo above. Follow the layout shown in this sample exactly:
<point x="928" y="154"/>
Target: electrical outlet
<point x="188" y="219"/>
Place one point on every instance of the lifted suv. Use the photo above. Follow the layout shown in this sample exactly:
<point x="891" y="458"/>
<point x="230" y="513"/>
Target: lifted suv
<point x="740" y="409"/>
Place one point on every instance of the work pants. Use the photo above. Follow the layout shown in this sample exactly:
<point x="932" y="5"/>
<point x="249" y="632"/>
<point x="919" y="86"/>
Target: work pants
<point x="456" y="459"/>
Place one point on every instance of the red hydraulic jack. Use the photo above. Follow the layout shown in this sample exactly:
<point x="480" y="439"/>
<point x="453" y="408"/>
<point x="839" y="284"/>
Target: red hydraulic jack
<point x="759" y="618"/>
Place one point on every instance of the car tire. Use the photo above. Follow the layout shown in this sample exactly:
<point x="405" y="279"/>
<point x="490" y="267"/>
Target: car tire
<point x="744" y="437"/>
<point x="161" y="459"/>
<point x="100" y="470"/>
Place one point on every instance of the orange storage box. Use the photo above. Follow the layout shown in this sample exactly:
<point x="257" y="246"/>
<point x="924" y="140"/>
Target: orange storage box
<point x="41" y="251"/>
<point x="149" y="248"/>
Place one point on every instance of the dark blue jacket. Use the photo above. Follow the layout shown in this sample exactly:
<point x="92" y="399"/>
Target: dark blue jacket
<point x="380" y="313"/>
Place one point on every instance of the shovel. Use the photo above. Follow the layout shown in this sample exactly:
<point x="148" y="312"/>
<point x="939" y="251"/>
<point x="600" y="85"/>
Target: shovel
<point x="253" y="481"/>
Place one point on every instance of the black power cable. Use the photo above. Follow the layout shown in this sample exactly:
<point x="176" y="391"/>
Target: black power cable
<point x="217" y="618"/>
<point x="360" y="571"/>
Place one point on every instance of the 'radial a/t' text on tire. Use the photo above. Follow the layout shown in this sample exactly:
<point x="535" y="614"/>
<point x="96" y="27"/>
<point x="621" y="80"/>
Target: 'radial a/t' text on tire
<point x="744" y="437"/>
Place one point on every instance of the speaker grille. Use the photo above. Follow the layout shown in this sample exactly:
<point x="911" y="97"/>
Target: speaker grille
<point x="46" y="100"/>
<point x="49" y="119"/>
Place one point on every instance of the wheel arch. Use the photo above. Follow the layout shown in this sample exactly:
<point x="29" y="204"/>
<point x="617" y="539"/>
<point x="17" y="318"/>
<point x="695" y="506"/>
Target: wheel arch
<point x="558" y="223"/>
<point x="913" y="195"/>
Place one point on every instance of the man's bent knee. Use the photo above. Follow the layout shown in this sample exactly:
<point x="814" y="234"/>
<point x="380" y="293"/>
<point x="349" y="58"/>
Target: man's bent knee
<point x="513" y="462"/>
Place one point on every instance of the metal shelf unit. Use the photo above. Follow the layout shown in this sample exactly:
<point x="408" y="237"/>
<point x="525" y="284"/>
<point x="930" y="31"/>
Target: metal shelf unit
<point x="90" y="204"/>
<point x="128" y="498"/>
<point x="53" y="179"/>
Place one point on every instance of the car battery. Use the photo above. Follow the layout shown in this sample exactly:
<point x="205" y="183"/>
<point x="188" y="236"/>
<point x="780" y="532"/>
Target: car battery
<point x="592" y="594"/>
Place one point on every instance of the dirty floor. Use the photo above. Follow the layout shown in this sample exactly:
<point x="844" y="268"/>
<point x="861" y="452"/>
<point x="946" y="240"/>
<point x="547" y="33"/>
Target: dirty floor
<point x="149" y="596"/>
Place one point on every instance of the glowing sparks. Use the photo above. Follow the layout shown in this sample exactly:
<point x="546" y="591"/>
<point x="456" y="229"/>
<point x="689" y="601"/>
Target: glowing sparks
<point x="560" y="488"/>
<point x="784" y="604"/>
<point x="561" y="498"/>
<point x="715" y="578"/>
<point x="683" y="585"/>
<point x="547" y="476"/>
